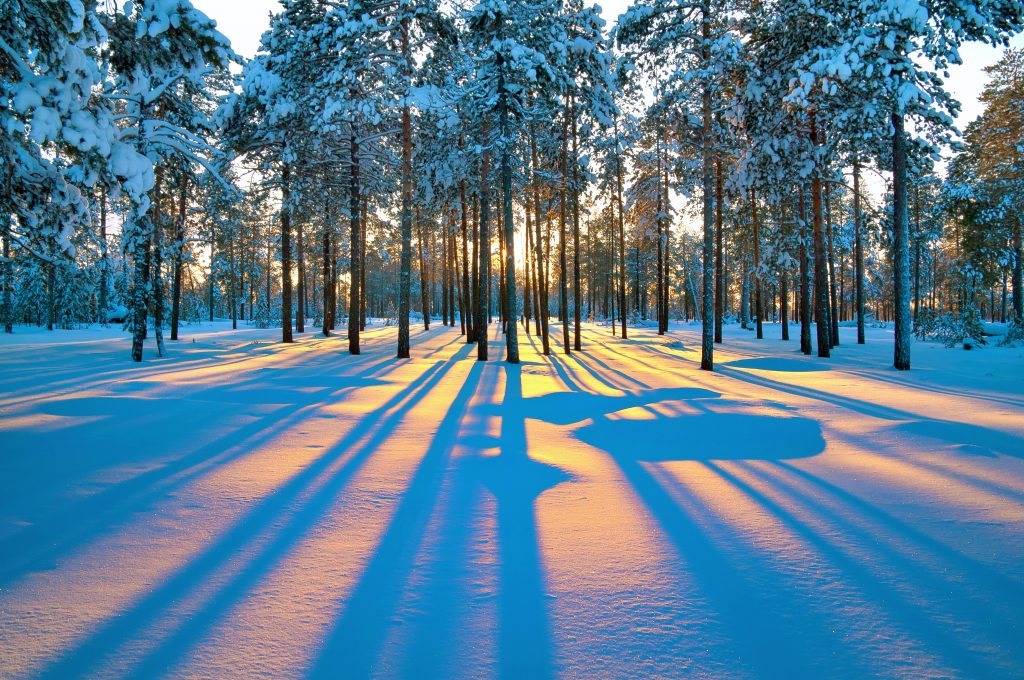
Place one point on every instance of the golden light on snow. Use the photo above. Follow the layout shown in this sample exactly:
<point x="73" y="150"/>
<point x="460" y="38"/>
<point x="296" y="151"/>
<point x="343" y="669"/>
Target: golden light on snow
<point x="291" y="510"/>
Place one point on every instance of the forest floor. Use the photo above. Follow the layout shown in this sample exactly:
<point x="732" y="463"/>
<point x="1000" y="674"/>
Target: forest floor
<point x="244" y="508"/>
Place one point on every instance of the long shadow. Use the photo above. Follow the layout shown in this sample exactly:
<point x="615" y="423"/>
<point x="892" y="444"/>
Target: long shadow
<point x="745" y="611"/>
<point x="261" y="519"/>
<point x="352" y="646"/>
<point x="947" y="430"/>
<point x="75" y="524"/>
<point x="585" y="360"/>
<point x="1014" y="590"/>
<point x="742" y="610"/>
<point x="939" y="389"/>
<point x="936" y="635"/>
<point x="516" y="480"/>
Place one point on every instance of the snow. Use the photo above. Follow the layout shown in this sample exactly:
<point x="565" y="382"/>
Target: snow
<point x="244" y="508"/>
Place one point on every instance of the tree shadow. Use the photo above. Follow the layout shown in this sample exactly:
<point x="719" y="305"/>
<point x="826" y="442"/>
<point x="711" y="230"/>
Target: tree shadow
<point x="972" y="440"/>
<point x="352" y="646"/>
<point x="516" y="481"/>
<point x="269" y="531"/>
<point x="779" y="365"/>
<point x="706" y="436"/>
<point x="41" y="544"/>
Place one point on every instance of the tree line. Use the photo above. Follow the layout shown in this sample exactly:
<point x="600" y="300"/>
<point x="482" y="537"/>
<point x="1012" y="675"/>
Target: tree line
<point x="520" y="162"/>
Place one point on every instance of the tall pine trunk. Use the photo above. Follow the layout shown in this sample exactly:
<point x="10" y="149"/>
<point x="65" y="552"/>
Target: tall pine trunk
<point x="833" y="293"/>
<point x="820" y="266"/>
<point x="483" y="282"/>
<point x="622" y="233"/>
<point x="758" y="306"/>
<point x="1018" y="272"/>
<point x="467" y="300"/>
<point x="158" y="261"/>
<point x="543" y="271"/>
<point x="576" y="283"/>
<point x="511" y="338"/>
<point x="405" y="276"/>
<point x="563" y="290"/>
<point x="104" y="264"/>
<point x="286" y="255"/>
<point x="901" y="254"/>
<point x="858" y="253"/>
<point x="424" y="276"/>
<point x="719" y="264"/>
<point x="355" y="249"/>
<point x="179" y="255"/>
<point x="707" y="350"/>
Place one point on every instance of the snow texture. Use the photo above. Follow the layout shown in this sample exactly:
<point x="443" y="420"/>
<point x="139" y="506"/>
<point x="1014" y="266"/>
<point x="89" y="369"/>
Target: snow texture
<point x="250" y="509"/>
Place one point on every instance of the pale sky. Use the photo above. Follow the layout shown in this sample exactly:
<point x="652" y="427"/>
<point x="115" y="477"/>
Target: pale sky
<point x="243" y="21"/>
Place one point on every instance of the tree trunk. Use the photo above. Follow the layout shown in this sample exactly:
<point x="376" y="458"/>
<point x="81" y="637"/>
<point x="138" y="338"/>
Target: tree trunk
<point x="543" y="270"/>
<point x="467" y="301"/>
<point x="563" y="291"/>
<point x="805" y="280"/>
<point x="1018" y="272"/>
<point x="576" y="284"/>
<point x="511" y="339"/>
<point x="528" y="288"/>
<point x="355" y="249"/>
<point x="758" y="306"/>
<point x="232" y="294"/>
<point x="820" y="266"/>
<point x="8" y="265"/>
<point x="719" y="268"/>
<point x="833" y="300"/>
<point x="483" y="282"/>
<point x="104" y="264"/>
<point x="858" y="249"/>
<point x="424" y="276"/>
<point x="286" y="255"/>
<point x="179" y="254"/>
<point x="707" y="352"/>
<point x="158" y="261"/>
<point x="901" y="259"/>
<point x="405" y="282"/>
<point x="622" y="233"/>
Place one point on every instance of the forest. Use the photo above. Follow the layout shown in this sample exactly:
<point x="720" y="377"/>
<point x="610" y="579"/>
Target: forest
<point x="511" y="339"/>
<point x="413" y="161"/>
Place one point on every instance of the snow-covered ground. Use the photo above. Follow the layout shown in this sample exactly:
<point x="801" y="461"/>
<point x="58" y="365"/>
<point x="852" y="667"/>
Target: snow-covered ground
<point x="244" y="508"/>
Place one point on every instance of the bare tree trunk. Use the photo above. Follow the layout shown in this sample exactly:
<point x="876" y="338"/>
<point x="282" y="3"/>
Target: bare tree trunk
<point x="719" y="264"/>
<point x="424" y="276"/>
<point x="820" y="265"/>
<point x="901" y="259"/>
<point x="286" y="255"/>
<point x="563" y="290"/>
<point x="543" y="269"/>
<point x="483" y="283"/>
<point x="467" y="300"/>
<point x="355" y="249"/>
<point x="179" y="254"/>
<point x="834" y="301"/>
<point x="405" y="282"/>
<point x="576" y="285"/>
<point x="158" y="261"/>
<point x="758" y="306"/>
<point x="104" y="264"/>
<point x="622" y="233"/>
<point x="1018" y="272"/>
<point x="707" y="362"/>
<point x="805" y="280"/>
<point x="511" y="327"/>
<point x="858" y="247"/>
<point x="232" y="293"/>
<point x="527" y="267"/>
